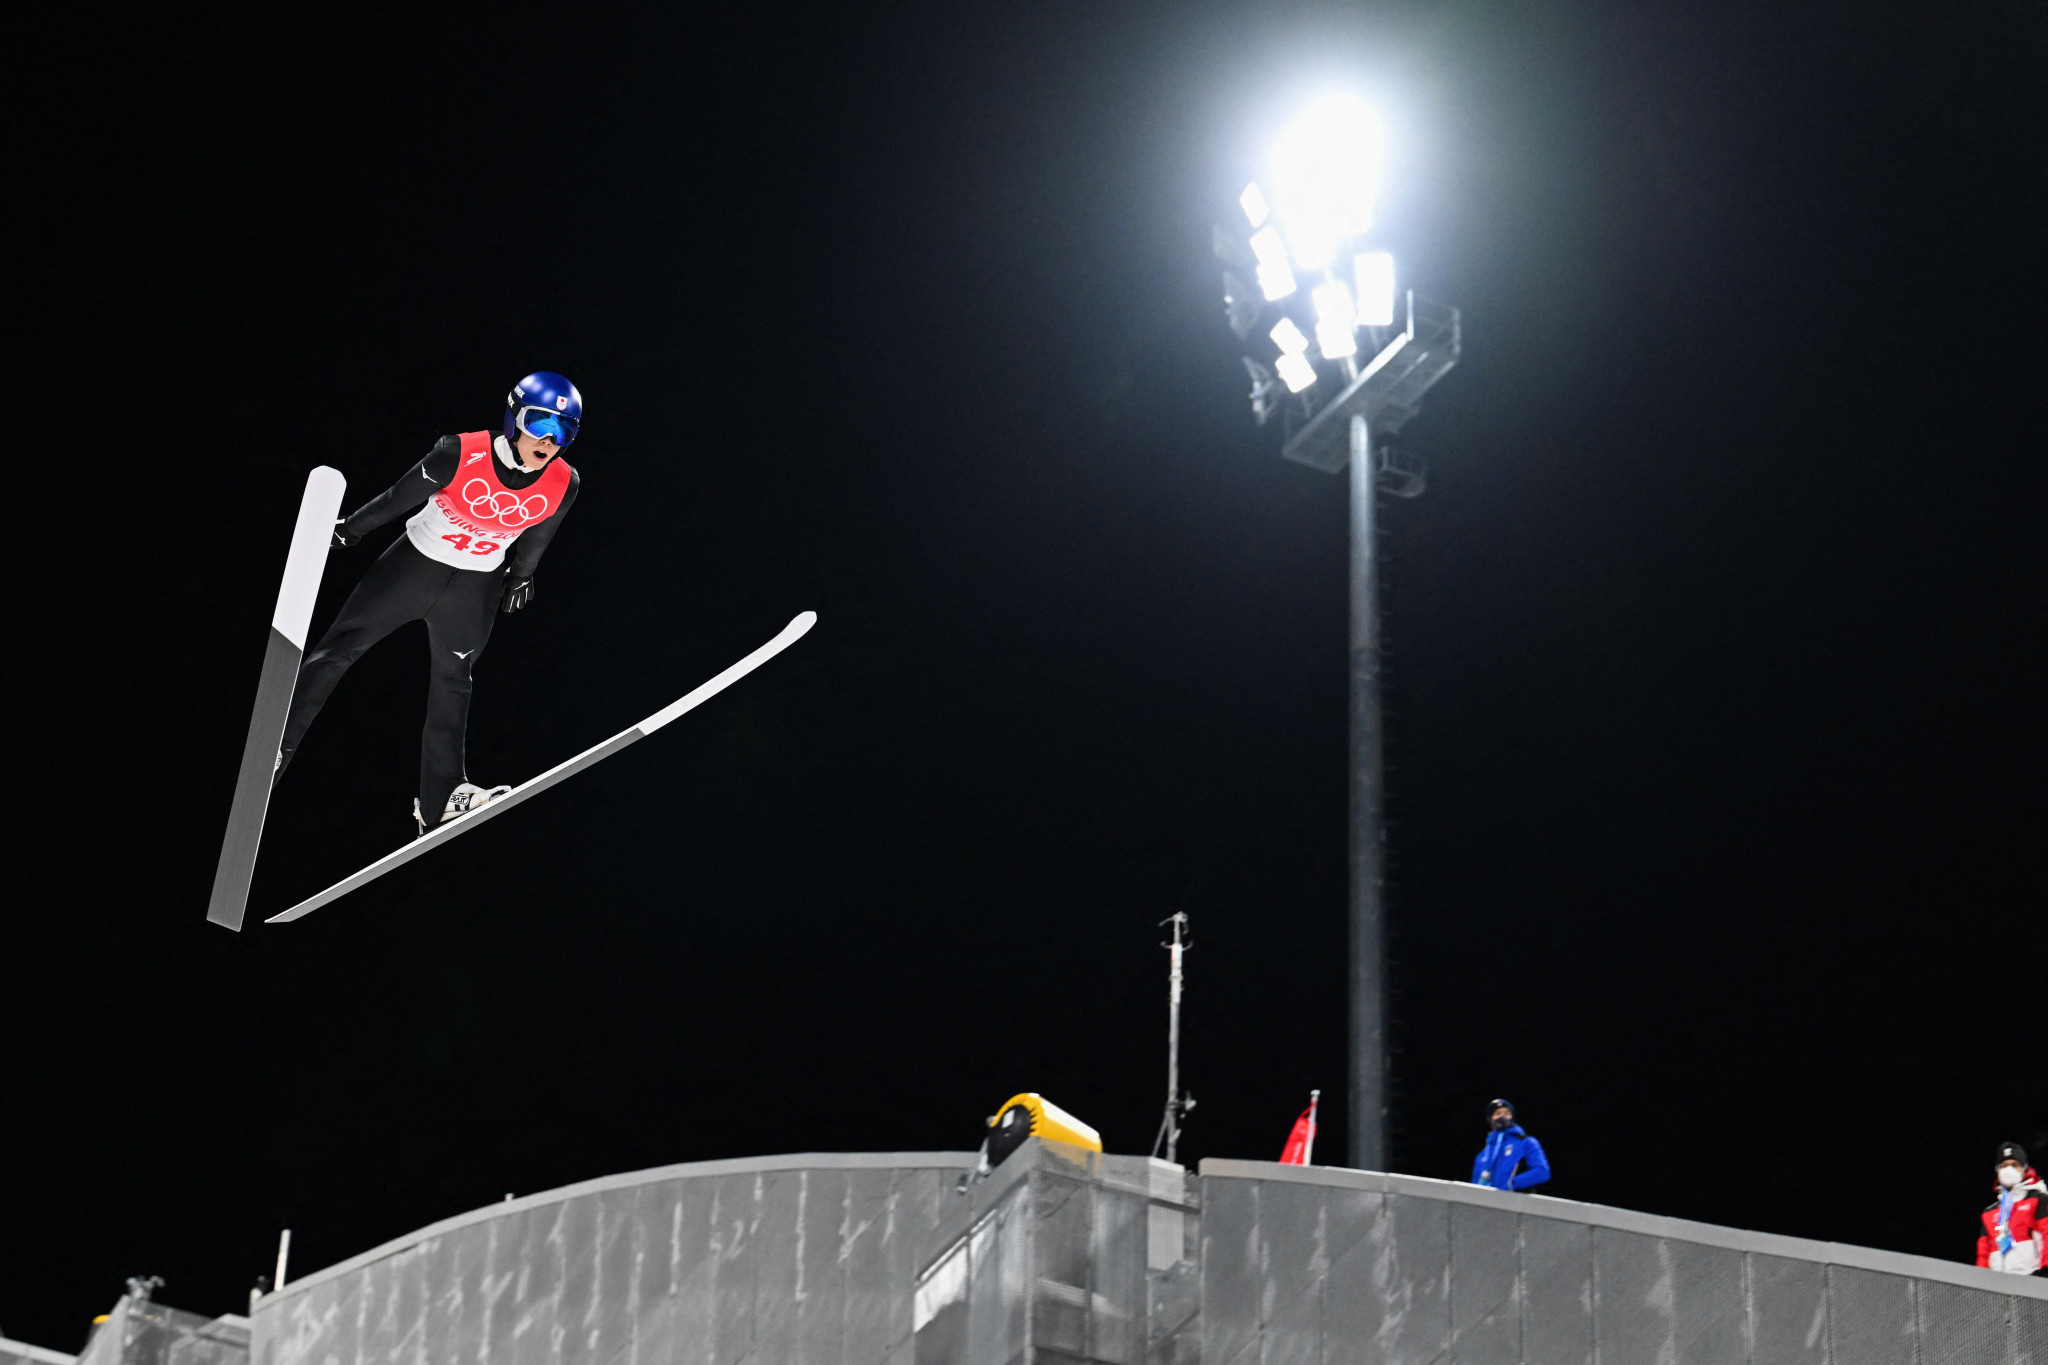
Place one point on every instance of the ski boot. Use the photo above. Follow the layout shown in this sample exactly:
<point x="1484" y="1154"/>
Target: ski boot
<point x="464" y="799"/>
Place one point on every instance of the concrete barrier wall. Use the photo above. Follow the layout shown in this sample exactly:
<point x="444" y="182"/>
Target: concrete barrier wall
<point x="814" y="1260"/>
<point x="793" y="1260"/>
<point x="1066" y="1256"/>
<point x="1314" y="1265"/>
<point x="21" y="1353"/>
<point x="143" y="1332"/>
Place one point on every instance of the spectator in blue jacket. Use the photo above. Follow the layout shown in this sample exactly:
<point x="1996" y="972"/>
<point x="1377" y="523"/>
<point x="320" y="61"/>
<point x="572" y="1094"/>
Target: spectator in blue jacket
<point x="1511" y="1159"/>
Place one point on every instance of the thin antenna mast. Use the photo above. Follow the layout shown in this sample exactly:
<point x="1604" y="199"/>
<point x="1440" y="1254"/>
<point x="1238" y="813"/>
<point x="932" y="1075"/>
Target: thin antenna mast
<point x="1177" y="1103"/>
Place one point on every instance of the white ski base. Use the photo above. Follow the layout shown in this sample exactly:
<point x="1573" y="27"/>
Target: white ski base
<point x="281" y="658"/>
<point x="462" y="824"/>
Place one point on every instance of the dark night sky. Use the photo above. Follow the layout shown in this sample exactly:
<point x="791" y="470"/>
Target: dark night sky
<point x="1716" y="646"/>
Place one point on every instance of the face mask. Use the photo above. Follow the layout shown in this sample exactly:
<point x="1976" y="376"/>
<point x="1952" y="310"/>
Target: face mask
<point x="2008" y="1175"/>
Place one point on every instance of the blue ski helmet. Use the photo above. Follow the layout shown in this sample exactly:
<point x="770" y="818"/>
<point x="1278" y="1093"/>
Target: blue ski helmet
<point x="544" y="404"/>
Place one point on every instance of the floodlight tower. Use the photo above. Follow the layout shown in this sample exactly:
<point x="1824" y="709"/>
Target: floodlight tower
<point x="1317" y="289"/>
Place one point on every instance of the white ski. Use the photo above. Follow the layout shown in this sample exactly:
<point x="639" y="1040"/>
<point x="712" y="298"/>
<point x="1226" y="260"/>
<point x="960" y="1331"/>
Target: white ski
<point x="462" y="824"/>
<point x="302" y="569"/>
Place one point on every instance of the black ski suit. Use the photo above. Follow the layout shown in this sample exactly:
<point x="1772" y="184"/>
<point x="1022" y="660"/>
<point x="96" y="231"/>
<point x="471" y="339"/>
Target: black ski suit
<point x="404" y="585"/>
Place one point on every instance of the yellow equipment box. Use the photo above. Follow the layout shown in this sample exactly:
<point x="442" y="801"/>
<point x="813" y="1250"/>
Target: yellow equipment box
<point x="1032" y="1115"/>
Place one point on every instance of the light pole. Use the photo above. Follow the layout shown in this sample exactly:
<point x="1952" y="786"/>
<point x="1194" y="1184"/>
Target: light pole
<point x="1178" y="1102"/>
<point x="1333" y="412"/>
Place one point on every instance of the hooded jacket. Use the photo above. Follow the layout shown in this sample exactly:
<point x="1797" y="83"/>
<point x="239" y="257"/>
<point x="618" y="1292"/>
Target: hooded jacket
<point x="2014" y="1226"/>
<point x="1505" y="1149"/>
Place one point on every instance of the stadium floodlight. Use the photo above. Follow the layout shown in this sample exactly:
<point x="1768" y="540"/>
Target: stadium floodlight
<point x="1311" y="216"/>
<point x="1295" y="371"/>
<point x="1254" y="204"/>
<point x="1293" y="365"/>
<point x="1335" y="319"/>
<point x="1276" y="279"/>
<point x="1374" y="271"/>
<point x="1324" y="172"/>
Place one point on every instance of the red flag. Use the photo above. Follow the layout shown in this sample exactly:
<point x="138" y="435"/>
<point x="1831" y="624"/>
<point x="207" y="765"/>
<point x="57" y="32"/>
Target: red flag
<point x="1301" y="1143"/>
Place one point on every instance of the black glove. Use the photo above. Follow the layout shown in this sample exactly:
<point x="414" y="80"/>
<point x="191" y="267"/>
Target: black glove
<point x="518" y="592"/>
<point x="342" y="539"/>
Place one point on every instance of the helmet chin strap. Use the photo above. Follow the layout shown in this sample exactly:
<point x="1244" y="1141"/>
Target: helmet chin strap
<point x="509" y="457"/>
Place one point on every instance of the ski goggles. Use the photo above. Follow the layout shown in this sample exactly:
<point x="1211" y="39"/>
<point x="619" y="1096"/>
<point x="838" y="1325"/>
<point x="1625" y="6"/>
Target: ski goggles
<point x="544" y="424"/>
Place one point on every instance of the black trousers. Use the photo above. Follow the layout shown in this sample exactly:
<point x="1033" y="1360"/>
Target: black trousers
<point x="458" y="605"/>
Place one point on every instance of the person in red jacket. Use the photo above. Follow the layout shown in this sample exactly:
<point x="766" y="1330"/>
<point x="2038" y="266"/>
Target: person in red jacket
<point x="2016" y="1221"/>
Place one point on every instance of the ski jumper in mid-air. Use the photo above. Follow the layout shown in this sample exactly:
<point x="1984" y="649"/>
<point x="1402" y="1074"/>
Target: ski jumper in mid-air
<point x="488" y="506"/>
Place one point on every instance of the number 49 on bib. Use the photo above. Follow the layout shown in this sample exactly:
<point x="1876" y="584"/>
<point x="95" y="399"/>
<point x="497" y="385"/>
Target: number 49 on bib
<point x="461" y="542"/>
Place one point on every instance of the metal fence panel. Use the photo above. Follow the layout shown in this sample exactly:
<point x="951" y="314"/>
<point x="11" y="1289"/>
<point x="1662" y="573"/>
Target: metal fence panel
<point x="1485" y="1285"/>
<point x="1788" y="1311"/>
<point x="1360" y="1236"/>
<point x="1416" y="1291"/>
<point x="574" y="1250"/>
<point x="1870" y="1317"/>
<point x="697" y="1262"/>
<point x="1632" y="1299"/>
<point x="871" y="1244"/>
<point x="499" y="1310"/>
<point x="196" y="1350"/>
<point x="539" y="1286"/>
<point x="1955" y="1329"/>
<point x="658" y="1213"/>
<point x="922" y="1200"/>
<point x="2030" y="1332"/>
<point x="1000" y="1326"/>
<point x="1294" y="1336"/>
<point x="1116" y="1312"/>
<point x="612" y="1315"/>
<point x="735" y="1218"/>
<point x="1557" y="1292"/>
<point x="1710" y="1304"/>
<point x="779" y="1213"/>
<point x="1349" y="1216"/>
<point x="1174" y="1300"/>
<point x="1059" y="1221"/>
<point x="1292" y="1262"/>
<point x="402" y="1324"/>
<point x="1230" y="1270"/>
<point x="347" y="1322"/>
<point x="821" y="1276"/>
<point x="1292" y="1256"/>
<point x="453" y="1282"/>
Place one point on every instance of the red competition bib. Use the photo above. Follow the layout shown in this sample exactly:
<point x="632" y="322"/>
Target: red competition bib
<point x="470" y="523"/>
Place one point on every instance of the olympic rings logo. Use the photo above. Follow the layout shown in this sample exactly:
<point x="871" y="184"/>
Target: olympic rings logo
<point x="504" y="508"/>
